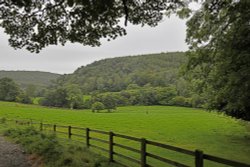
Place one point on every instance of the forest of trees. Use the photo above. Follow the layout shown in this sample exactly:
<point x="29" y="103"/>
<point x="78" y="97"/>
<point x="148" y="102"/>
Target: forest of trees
<point x="116" y="74"/>
<point x="154" y="79"/>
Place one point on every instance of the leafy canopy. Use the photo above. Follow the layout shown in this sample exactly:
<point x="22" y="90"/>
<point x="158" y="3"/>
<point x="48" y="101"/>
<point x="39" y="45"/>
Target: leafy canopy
<point x="9" y="90"/>
<point x="219" y="56"/>
<point x="35" y="24"/>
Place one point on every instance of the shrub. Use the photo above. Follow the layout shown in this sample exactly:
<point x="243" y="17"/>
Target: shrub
<point x="97" y="106"/>
<point x="2" y="120"/>
<point x="53" y="153"/>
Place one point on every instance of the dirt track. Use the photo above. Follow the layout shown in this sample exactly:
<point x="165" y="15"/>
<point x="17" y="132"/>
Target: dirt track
<point x="11" y="155"/>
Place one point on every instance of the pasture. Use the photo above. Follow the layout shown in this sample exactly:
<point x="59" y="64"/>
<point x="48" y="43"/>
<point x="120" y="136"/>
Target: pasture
<point x="188" y="128"/>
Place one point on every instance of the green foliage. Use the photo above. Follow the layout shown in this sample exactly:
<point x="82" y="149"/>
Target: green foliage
<point x="69" y="96"/>
<point x="74" y="96"/>
<point x="23" y="98"/>
<point x="41" y="144"/>
<point x="35" y="24"/>
<point x="27" y="80"/>
<point x="9" y="90"/>
<point x="181" y="101"/>
<point x="56" y="97"/>
<point x="97" y="106"/>
<point x="116" y="74"/>
<point x="54" y="153"/>
<point x="31" y="90"/>
<point x="133" y="80"/>
<point x="142" y="96"/>
<point x="109" y="100"/>
<point x="2" y="120"/>
<point x="219" y="59"/>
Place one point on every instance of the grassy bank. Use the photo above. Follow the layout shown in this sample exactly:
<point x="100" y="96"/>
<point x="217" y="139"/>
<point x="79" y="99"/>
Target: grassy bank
<point x="48" y="151"/>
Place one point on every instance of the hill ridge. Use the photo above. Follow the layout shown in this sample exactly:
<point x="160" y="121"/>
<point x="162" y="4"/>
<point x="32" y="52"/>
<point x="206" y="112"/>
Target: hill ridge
<point x="25" y="78"/>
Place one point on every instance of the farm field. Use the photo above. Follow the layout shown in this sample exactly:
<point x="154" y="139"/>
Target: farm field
<point x="188" y="128"/>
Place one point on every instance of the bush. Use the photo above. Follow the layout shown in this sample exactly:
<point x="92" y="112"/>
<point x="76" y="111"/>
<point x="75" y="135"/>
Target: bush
<point x="52" y="152"/>
<point x="2" y="120"/>
<point x="23" y="98"/>
<point x="43" y="145"/>
<point x="97" y="106"/>
<point x="181" y="101"/>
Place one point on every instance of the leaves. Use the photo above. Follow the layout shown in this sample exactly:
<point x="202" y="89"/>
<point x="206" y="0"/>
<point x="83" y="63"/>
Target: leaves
<point x="219" y="35"/>
<point x="44" y="23"/>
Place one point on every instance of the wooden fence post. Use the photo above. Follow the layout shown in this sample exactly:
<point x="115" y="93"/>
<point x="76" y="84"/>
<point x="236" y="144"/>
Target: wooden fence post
<point x="143" y="153"/>
<point x="111" y="146"/>
<point x="54" y="128"/>
<point x="87" y="137"/>
<point x="41" y="126"/>
<point x="69" y="132"/>
<point x="198" y="158"/>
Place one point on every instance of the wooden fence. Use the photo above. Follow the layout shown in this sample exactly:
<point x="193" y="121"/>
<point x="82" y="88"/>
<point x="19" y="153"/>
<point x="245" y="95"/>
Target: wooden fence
<point x="198" y="155"/>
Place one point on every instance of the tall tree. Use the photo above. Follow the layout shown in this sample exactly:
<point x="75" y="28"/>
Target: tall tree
<point x="31" y="90"/>
<point x="9" y="90"/>
<point x="219" y="56"/>
<point x="35" y="24"/>
<point x="74" y="96"/>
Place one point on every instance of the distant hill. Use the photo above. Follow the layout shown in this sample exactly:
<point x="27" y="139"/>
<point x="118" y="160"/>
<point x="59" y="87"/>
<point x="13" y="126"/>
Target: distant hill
<point x="25" y="78"/>
<point x="116" y="74"/>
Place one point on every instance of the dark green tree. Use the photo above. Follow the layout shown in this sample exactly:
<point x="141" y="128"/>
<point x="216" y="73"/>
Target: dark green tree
<point x="109" y="101"/>
<point x="74" y="96"/>
<point x="36" y="24"/>
<point x="23" y="98"/>
<point x="56" y="97"/>
<point x="31" y="90"/>
<point x="9" y="90"/>
<point x="219" y="56"/>
<point x="97" y="106"/>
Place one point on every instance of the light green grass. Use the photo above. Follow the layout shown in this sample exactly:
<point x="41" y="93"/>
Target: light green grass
<point x="188" y="128"/>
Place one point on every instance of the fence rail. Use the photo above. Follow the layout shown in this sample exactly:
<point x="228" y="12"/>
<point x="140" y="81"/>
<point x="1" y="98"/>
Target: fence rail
<point x="198" y="155"/>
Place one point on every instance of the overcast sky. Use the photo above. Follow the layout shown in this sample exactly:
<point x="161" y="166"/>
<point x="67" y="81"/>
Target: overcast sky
<point x="168" y="36"/>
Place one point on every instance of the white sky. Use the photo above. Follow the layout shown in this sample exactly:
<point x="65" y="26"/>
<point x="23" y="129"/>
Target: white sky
<point x="168" y="36"/>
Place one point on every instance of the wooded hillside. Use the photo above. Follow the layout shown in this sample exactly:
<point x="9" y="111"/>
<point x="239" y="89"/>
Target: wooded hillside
<point x="26" y="78"/>
<point x="116" y="74"/>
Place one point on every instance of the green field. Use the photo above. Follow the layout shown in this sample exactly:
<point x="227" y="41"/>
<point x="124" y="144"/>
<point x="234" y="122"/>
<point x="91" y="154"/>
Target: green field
<point x="188" y="128"/>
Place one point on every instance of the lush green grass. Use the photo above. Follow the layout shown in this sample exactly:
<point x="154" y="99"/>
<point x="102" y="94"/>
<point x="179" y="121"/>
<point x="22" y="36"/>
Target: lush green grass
<point x="189" y="128"/>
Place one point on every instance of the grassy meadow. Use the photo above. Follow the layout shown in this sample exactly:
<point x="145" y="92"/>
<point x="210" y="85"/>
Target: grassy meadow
<point x="188" y="128"/>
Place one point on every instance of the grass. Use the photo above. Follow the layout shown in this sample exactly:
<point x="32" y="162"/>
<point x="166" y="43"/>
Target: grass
<point x="188" y="128"/>
<point x="51" y="152"/>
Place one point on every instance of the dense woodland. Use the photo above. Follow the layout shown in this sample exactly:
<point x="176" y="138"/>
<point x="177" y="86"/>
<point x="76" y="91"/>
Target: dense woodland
<point x="116" y="74"/>
<point x="153" y="79"/>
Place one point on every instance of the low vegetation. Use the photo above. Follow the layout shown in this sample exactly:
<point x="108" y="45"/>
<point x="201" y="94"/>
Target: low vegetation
<point x="53" y="152"/>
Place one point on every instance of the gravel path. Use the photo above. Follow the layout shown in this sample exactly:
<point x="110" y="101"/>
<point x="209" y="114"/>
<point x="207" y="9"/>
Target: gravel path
<point x="11" y="155"/>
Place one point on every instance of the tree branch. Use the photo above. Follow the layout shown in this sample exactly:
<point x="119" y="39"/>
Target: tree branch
<point x="126" y="11"/>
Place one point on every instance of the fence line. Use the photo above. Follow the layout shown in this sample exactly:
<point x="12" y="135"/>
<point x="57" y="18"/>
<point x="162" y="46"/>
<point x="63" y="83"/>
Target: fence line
<point x="199" y="156"/>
